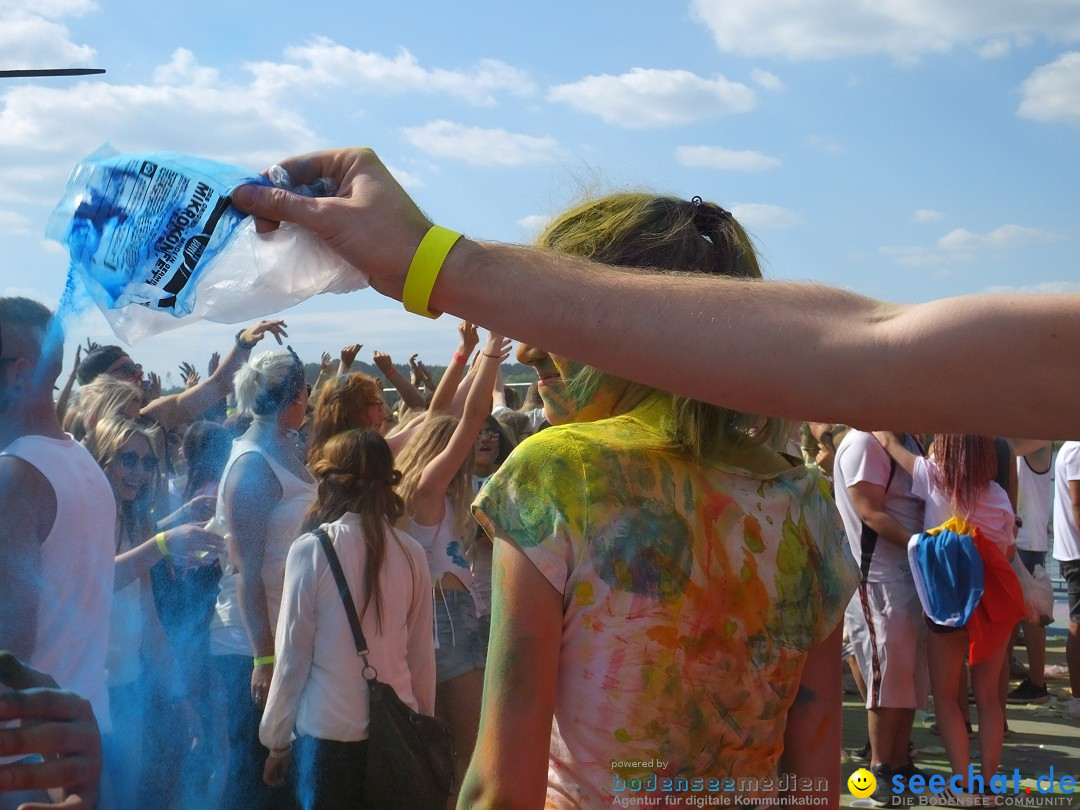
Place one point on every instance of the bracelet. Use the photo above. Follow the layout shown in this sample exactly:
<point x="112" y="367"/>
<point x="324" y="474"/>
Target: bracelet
<point x="163" y="547"/>
<point x="240" y="344"/>
<point x="496" y="356"/>
<point x="263" y="660"/>
<point x="424" y="269"/>
<point x="460" y="359"/>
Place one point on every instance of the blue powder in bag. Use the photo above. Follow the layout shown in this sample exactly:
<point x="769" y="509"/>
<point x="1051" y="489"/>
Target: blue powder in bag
<point x="141" y="228"/>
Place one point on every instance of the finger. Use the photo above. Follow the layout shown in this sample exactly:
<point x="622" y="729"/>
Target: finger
<point x="75" y="801"/>
<point x="17" y="675"/>
<point x="278" y="205"/>
<point x="44" y="704"/>
<point x="74" y="772"/>
<point x="51" y="738"/>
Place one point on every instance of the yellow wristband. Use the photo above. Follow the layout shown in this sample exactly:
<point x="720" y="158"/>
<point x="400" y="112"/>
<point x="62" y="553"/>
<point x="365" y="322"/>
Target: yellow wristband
<point x="426" y="264"/>
<point x="263" y="660"/>
<point x="163" y="547"/>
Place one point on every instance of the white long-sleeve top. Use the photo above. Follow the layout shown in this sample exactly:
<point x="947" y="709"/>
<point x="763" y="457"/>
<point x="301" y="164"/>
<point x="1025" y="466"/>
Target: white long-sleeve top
<point x="318" y="688"/>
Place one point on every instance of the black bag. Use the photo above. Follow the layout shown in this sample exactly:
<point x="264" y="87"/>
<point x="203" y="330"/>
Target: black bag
<point x="410" y="761"/>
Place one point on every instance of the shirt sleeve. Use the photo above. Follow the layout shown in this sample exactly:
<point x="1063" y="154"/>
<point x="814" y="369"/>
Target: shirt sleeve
<point x="537" y="501"/>
<point x="294" y="645"/>
<point x="920" y="479"/>
<point x="1072" y="464"/>
<point x="866" y="460"/>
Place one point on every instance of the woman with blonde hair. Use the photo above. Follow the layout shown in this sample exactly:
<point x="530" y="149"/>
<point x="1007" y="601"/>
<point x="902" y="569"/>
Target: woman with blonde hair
<point x="264" y="494"/>
<point x="665" y="584"/>
<point x="124" y="450"/>
<point x="436" y="485"/>
<point x="318" y="690"/>
<point x="103" y="397"/>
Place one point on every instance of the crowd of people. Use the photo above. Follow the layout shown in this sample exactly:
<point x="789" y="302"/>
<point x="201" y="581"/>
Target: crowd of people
<point x="637" y="578"/>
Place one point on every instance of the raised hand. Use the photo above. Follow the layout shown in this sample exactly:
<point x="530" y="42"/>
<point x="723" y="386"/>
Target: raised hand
<point x="383" y="362"/>
<point x="348" y="355"/>
<point x="211" y="367"/>
<point x="189" y="375"/>
<point x="253" y="334"/>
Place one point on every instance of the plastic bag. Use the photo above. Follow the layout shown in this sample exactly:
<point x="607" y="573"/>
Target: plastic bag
<point x="1038" y="592"/>
<point x="157" y="230"/>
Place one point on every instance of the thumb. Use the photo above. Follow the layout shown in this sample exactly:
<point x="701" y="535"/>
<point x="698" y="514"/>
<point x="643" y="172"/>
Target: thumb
<point x="276" y="205"/>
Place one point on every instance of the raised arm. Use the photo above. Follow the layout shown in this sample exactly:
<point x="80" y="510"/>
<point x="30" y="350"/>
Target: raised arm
<point x="900" y="454"/>
<point x="761" y="347"/>
<point x="448" y="385"/>
<point x="429" y="501"/>
<point x="177" y="409"/>
<point x="409" y="395"/>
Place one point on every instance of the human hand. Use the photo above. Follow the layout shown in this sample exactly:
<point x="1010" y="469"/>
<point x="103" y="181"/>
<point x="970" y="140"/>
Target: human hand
<point x="211" y="367"/>
<point x="276" y="768"/>
<point x="371" y="222"/>
<point x="383" y="362"/>
<point x="58" y="725"/>
<point x="885" y="437"/>
<point x="260" y="683"/>
<point x="78" y="357"/>
<point x="497" y="347"/>
<point x="348" y="355"/>
<point x="469" y="338"/>
<point x="152" y="387"/>
<point x="253" y="334"/>
<point x="198" y="510"/>
<point x="91" y="345"/>
<point x="191" y="544"/>
<point x="325" y="363"/>
<point x="189" y="375"/>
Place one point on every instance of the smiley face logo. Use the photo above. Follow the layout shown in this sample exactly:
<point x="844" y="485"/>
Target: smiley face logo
<point x="861" y="783"/>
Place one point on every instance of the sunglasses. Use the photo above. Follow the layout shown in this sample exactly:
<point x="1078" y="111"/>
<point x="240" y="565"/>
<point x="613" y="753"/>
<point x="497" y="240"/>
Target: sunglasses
<point x="488" y="434"/>
<point x="130" y="460"/>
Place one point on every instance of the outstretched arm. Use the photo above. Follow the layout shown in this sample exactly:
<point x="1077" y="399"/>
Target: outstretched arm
<point x="900" y="454"/>
<point x="761" y="347"/>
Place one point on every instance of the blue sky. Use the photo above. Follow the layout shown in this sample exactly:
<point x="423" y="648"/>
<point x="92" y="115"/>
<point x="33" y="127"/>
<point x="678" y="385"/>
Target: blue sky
<point x="906" y="149"/>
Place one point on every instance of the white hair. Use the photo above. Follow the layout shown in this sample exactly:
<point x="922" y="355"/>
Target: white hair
<point x="268" y="382"/>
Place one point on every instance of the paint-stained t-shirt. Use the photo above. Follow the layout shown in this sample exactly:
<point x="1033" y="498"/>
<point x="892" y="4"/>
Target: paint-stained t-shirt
<point x="691" y="594"/>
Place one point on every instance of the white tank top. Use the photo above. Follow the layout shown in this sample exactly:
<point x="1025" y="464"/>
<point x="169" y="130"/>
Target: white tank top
<point x="227" y="634"/>
<point x="1033" y="506"/>
<point x="76" y="569"/>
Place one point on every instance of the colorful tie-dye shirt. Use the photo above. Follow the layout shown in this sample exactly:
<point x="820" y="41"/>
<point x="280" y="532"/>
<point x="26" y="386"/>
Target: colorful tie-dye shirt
<point x="691" y="594"/>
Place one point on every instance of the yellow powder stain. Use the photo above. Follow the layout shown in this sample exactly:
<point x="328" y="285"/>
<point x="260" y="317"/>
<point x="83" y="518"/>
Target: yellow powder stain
<point x="583" y="593"/>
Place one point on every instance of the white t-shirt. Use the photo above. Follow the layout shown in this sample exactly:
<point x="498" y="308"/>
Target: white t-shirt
<point x="318" y="688"/>
<point x="992" y="512"/>
<point x="76" y="569"/>
<point x="861" y="457"/>
<point x="1066" y="532"/>
<point x="1033" y="506"/>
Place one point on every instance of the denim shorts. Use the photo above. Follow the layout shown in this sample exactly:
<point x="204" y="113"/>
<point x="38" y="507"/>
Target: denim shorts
<point x="1032" y="558"/>
<point x="462" y="636"/>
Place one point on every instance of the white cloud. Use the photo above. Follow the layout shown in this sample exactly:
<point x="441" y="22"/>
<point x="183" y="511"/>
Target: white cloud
<point x="324" y="63"/>
<point x="716" y="157"/>
<point x="917" y="255"/>
<point x="534" y="223"/>
<point x="903" y="29"/>
<point x="766" y="80"/>
<point x="1042" y="288"/>
<point x="13" y="222"/>
<point x="1052" y="92"/>
<point x="183" y="69"/>
<point x="407" y="179"/>
<point x="655" y="98"/>
<point x="928" y="215"/>
<point x="995" y="49"/>
<point x="31" y="41"/>
<point x="763" y="215"/>
<point x="480" y="146"/>
<point x="47" y="8"/>
<point x="1004" y="236"/>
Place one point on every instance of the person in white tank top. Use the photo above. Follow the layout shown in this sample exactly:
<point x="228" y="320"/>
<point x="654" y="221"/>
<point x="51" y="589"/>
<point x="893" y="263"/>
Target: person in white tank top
<point x="56" y="534"/>
<point x="264" y="494"/>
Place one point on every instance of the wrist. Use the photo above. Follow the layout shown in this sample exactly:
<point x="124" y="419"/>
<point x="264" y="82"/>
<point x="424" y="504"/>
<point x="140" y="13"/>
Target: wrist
<point x="264" y="660"/>
<point x="162" y="544"/>
<point x="244" y="345"/>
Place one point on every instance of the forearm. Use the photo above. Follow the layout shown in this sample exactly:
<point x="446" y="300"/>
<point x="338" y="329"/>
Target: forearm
<point x="887" y="528"/>
<point x="65" y="396"/>
<point x="136" y="562"/>
<point x="448" y="384"/>
<point x="760" y="346"/>
<point x="409" y="394"/>
<point x="254" y="613"/>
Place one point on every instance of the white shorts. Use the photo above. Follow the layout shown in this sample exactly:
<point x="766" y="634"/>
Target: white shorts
<point x="884" y="621"/>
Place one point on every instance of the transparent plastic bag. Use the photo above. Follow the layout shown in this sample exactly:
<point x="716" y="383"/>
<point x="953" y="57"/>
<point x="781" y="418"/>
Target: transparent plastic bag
<point x="156" y="243"/>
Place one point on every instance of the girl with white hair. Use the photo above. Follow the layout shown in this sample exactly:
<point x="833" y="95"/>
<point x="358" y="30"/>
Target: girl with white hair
<point x="264" y="494"/>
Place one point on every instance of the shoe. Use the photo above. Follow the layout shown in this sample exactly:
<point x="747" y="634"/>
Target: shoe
<point x="861" y="753"/>
<point x="1028" y="692"/>
<point x="1072" y="708"/>
<point x="883" y="795"/>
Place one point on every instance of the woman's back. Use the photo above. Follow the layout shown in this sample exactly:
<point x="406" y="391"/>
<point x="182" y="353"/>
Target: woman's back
<point x="990" y="511"/>
<point x="691" y="595"/>
<point x="321" y="675"/>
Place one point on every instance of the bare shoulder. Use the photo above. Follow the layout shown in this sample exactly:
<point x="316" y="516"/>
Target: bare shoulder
<point x="28" y="498"/>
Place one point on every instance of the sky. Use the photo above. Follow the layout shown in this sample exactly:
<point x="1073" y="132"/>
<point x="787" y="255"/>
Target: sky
<point x="904" y="149"/>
